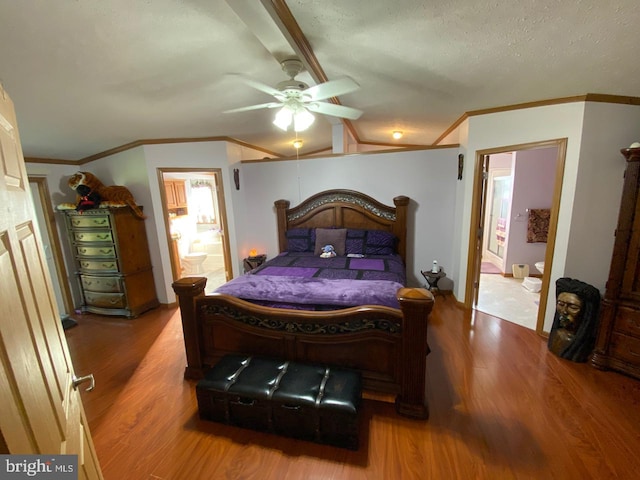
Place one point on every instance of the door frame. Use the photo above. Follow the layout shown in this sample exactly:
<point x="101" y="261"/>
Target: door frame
<point x="56" y="247"/>
<point x="226" y="251"/>
<point x="479" y="198"/>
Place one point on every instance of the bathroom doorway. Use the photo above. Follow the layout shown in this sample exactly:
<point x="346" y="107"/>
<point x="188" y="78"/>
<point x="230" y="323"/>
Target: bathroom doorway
<point x="195" y="221"/>
<point x="491" y="280"/>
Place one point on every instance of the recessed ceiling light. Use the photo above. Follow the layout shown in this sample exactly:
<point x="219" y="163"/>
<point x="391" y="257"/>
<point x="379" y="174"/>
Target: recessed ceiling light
<point x="397" y="134"/>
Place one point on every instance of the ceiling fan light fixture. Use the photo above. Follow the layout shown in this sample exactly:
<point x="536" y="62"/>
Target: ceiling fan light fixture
<point x="397" y="134"/>
<point x="297" y="144"/>
<point x="283" y="118"/>
<point x="302" y="120"/>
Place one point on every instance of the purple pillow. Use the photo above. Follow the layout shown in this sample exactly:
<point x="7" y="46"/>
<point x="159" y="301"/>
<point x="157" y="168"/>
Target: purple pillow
<point x="301" y="239"/>
<point x="370" y="242"/>
<point x="354" y="243"/>
<point x="379" y="242"/>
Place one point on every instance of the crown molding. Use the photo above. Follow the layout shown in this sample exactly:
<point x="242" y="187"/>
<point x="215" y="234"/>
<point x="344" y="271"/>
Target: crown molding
<point x="589" y="97"/>
<point x="139" y="143"/>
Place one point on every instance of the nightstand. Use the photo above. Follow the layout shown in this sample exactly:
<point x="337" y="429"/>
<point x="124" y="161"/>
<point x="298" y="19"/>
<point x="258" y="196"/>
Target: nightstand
<point x="433" y="278"/>
<point x="251" y="263"/>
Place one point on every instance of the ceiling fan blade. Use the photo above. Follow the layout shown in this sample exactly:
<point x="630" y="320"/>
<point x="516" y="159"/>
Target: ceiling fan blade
<point x="332" y="88"/>
<point x="334" y="110"/>
<point x="254" y="107"/>
<point x="257" y="85"/>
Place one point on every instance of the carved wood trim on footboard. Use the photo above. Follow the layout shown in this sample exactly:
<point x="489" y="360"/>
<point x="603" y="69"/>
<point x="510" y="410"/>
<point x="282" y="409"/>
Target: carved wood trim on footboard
<point x="388" y="346"/>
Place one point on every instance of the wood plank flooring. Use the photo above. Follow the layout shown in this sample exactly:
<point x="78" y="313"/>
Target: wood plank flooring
<point x="501" y="406"/>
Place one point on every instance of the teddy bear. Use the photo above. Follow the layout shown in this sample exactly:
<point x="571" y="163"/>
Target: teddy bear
<point x="328" y="251"/>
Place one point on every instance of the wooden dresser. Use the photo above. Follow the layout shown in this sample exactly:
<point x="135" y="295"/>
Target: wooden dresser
<point x="618" y="343"/>
<point x="112" y="260"/>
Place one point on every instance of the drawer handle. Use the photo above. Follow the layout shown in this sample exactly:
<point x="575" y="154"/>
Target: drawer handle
<point x="89" y="283"/>
<point x="104" y="265"/>
<point x="100" y="222"/>
<point x="103" y="237"/>
<point x="106" y="251"/>
<point x="245" y="401"/>
<point x="114" y="301"/>
<point x="291" y="407"/>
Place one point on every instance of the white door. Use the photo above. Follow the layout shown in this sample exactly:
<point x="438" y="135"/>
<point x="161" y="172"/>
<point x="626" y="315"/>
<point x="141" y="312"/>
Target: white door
<point x="42" y="411"/>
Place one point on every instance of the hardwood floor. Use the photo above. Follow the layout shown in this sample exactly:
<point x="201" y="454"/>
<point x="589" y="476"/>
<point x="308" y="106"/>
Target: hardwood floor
<point x="501" y="406"/>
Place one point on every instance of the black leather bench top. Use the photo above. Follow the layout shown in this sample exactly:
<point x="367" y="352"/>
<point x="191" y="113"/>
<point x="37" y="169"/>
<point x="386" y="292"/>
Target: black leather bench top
<point x="284" y="382"/>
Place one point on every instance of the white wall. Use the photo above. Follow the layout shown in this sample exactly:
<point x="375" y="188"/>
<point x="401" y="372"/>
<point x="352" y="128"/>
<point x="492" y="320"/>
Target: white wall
<point x="590" y="190"/>
<point x="427" y="177"/>
<point x="533" y="182"/>
<point x="57" y="177"/>
<point x="185" y="155"/>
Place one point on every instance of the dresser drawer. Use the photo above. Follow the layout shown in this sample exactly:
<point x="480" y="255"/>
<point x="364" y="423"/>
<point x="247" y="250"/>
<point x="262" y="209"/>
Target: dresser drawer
<point x="105" y="300"/>
<point x="99" y="265"/>
<point x="103" y="251"/>
<point x="86" y="221"/>
<point x="101" y="284"/>
<point x="628" y="321"/>
<point x="625" y="348"/>
<point x="93" y="237"/>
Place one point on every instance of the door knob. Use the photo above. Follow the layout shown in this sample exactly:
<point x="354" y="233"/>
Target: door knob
<point x="87" y="378"/>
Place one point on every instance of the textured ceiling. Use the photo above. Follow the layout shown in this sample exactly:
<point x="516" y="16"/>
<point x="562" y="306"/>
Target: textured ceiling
<point x="87" y="76"/>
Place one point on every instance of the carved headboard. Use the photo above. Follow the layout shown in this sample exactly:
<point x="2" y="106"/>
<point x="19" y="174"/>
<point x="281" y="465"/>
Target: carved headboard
<point x="344" y="209"/>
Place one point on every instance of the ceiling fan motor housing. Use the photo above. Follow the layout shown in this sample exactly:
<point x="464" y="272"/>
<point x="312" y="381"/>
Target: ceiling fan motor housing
<point x="294" y="85"/>
<point x="292" y="67"/>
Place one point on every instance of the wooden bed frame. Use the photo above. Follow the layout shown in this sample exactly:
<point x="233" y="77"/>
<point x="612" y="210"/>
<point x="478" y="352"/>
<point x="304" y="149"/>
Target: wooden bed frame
<point x="387" y="345"/>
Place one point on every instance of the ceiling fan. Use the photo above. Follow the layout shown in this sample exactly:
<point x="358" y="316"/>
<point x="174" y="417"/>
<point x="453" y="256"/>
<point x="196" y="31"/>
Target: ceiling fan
<point x="296" y="99"/>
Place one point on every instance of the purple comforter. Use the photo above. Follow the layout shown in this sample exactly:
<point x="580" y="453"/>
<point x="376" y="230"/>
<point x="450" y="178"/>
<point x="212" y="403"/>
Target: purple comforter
<point x="305" y="281"/>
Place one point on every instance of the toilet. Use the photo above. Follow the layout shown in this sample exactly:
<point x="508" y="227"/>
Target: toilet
<point x="193" y="262"/>
<point x="534" y="284"/>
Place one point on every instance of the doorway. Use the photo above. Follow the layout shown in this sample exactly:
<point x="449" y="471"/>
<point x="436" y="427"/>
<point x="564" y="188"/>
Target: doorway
<point x="45" y="218"/>
<point x="509" y="288"/>
<point x="196" y="224"/>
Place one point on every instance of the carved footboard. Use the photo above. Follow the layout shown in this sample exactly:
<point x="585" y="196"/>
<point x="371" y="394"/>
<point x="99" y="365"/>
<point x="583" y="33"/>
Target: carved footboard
<point x="388" y="346"/>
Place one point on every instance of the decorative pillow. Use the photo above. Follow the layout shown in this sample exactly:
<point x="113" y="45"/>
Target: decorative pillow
<point x="330" y="236"/>
<point x="355" y="241"/>
<point x="379" y="242"/>
<point x="370" y="242"/>
<point x="300" y="239"/>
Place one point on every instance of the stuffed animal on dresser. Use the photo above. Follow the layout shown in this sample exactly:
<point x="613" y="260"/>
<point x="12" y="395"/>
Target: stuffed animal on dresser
<point x="92" y="193"/>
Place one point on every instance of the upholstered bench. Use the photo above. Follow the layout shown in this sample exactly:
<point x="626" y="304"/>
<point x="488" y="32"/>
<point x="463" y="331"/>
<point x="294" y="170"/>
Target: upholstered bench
<point x="310" y="402"/>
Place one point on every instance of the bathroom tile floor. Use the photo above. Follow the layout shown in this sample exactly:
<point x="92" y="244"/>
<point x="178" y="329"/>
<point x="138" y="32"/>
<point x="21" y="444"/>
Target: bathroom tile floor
<point x="506" y="298"/>
<point x="213" y="268"/>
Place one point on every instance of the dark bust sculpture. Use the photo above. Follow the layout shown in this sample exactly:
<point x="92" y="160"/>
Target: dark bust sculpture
<point x="574" y="329"/>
